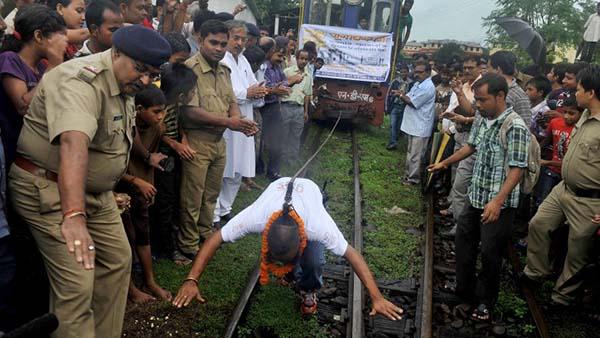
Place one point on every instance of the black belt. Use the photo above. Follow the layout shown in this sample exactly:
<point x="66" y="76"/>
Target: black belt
<point x="585" y="193"/>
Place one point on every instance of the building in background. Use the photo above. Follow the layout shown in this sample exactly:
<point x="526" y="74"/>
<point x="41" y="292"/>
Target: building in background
<point x="430" y="47"/>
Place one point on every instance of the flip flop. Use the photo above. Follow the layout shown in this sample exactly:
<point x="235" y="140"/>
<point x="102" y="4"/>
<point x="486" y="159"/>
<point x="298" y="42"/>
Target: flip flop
<point x="481" y="314"/>
<point x="180" y="259"/>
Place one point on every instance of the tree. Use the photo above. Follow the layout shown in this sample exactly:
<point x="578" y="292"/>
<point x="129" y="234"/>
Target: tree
<point x="449" y="53"/>
<point x="560" y="22"/>
<point x="268" y="8"/>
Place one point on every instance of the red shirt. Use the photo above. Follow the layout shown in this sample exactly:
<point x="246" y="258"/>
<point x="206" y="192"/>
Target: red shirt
<point x="561" y="136"/>
<point x="147" y="23"/>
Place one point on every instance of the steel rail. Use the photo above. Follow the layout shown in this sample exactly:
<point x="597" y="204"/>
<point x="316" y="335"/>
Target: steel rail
<point x="356" y="299"/>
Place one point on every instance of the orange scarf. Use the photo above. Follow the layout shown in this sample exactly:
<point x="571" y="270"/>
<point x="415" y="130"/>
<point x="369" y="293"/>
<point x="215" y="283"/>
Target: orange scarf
<point x="267" y="267"/>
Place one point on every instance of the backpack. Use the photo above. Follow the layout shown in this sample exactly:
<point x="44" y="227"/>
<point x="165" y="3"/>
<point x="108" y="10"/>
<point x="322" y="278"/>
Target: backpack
<point x="531" y="176"/>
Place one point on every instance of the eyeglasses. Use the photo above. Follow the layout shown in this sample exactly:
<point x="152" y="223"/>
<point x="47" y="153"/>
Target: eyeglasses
<point x="143" y="69"/>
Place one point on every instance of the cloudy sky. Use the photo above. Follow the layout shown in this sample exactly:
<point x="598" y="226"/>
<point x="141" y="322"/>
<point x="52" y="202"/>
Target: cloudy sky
<point x="450" y="19"/>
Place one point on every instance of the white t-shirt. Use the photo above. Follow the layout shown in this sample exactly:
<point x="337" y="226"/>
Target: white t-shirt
<point x="308" y="203"/>
<point x="592" y="28"/>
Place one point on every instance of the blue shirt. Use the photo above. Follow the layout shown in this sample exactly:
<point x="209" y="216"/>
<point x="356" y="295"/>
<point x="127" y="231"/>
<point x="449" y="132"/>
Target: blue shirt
<point x="274" y="77"/>
<point x="418" y="121"/>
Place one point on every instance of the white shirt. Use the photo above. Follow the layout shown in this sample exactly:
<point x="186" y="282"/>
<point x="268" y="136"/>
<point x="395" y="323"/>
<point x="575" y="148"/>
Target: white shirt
<point x="467" y="88"/>
<point x="10" y="22"/>
<point x="308" y="203"/>
<point x="592" y="28"/>
<point x="240" y="148"/>
<point x="418" y="121"/>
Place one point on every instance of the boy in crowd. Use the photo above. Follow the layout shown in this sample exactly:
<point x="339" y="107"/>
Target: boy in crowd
<point x="138" y="183"/>
<point x="537" y="90"/>
<point x="177" y="83"/>
<point x="319" y="63"/>
<point x="277" y="81"/>
<point x="575" y="199"/>
<point x="558" y="136"/>
<point x="569" y="84"/>
<point x="294" y="108"/>
<point x="394" y="105"/>
<point x="180" y="48"/>
<point x="556" y="76"/>
<point x="103" y="18"/>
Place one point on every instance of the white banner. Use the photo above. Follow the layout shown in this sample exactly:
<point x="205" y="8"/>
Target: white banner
<point x="351" y="54"/>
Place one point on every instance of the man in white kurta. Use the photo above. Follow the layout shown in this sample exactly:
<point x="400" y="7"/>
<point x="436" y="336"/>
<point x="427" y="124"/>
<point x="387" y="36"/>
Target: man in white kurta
<point x="241" y="158"/>
<point x="591" y="36"/>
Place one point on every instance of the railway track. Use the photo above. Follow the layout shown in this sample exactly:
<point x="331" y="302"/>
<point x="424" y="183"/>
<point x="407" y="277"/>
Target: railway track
<point x="355" y="290"/>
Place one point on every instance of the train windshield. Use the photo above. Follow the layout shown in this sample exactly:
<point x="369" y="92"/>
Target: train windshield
<point x="373" y="15"/>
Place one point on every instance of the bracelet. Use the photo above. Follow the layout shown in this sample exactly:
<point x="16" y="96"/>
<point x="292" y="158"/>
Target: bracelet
<point x="192" y="280"/>
<point x="74" y="213"/>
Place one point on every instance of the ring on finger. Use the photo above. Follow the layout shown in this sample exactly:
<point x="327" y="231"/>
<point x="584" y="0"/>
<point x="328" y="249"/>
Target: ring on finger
<point x="77" y="242"/>
<point x="91" y="248"/>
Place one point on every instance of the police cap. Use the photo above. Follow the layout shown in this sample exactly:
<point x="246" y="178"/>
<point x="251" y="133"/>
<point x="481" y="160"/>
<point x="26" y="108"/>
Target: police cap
<point x="252" y="29"/>
<point x="142" y="44"/>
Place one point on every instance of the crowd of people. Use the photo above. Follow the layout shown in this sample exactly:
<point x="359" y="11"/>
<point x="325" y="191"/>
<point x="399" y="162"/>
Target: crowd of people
<point x="522" y="164"/>
<point x="127" y="131"/>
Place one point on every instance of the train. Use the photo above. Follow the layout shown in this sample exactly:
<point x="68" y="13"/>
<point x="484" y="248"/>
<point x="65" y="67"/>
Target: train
<point x="359" y="93"/>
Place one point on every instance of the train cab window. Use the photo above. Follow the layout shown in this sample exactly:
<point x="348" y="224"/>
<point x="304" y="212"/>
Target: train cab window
<point x="382" y="16"/>
<point x="373" y="15"/>
<point x="327" y="12"/>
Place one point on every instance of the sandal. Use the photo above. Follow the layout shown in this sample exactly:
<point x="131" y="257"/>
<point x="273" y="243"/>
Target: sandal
<point x="179" y="259"/>
<point x="481" y="314"/>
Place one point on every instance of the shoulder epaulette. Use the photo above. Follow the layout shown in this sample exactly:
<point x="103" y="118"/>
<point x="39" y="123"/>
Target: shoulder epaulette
<point x="88" y="73"/>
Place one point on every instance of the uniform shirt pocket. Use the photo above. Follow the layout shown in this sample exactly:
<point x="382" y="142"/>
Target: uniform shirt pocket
<point x="590" y="152"/>
<point x="112" y="133"/>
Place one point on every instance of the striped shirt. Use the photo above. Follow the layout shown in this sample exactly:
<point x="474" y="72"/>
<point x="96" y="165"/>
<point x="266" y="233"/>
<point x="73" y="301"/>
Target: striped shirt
<point x="489" y="172"/>
<point x="519" y="101"/>
<point x="171" y="122"/>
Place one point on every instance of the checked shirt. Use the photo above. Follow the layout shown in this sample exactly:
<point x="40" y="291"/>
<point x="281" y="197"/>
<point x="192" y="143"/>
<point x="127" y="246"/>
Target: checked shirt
<point x="489" y="173"/>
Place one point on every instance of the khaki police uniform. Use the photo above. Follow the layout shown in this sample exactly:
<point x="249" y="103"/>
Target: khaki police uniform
<point x="201" y="177"/>
<point x="79" y="95"/>
<point x="576" y="199"/>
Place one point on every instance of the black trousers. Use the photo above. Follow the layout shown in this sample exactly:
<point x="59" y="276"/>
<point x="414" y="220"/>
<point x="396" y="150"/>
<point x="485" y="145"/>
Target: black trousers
<point x="272" y="136"/>
<point x="165" y="211"/>
<point x="481" y="288"/>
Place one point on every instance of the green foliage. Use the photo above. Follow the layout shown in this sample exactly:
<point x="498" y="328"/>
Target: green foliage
<point x="448" y="54"/>
<point x="560" y="22"/>
<point x="268" y="8"/>
<point x="510" y="304"/>
<point x="391" y="252"/>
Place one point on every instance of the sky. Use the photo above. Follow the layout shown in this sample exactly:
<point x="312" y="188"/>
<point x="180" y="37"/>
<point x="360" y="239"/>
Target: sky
<point x="450" y="19"/>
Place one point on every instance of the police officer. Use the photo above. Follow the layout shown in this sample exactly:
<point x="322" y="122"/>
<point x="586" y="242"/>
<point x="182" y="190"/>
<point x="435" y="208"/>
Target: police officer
<point x="73" y="149"/>
<point x="576" y="199"/>
<point x="212" y="109"/>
